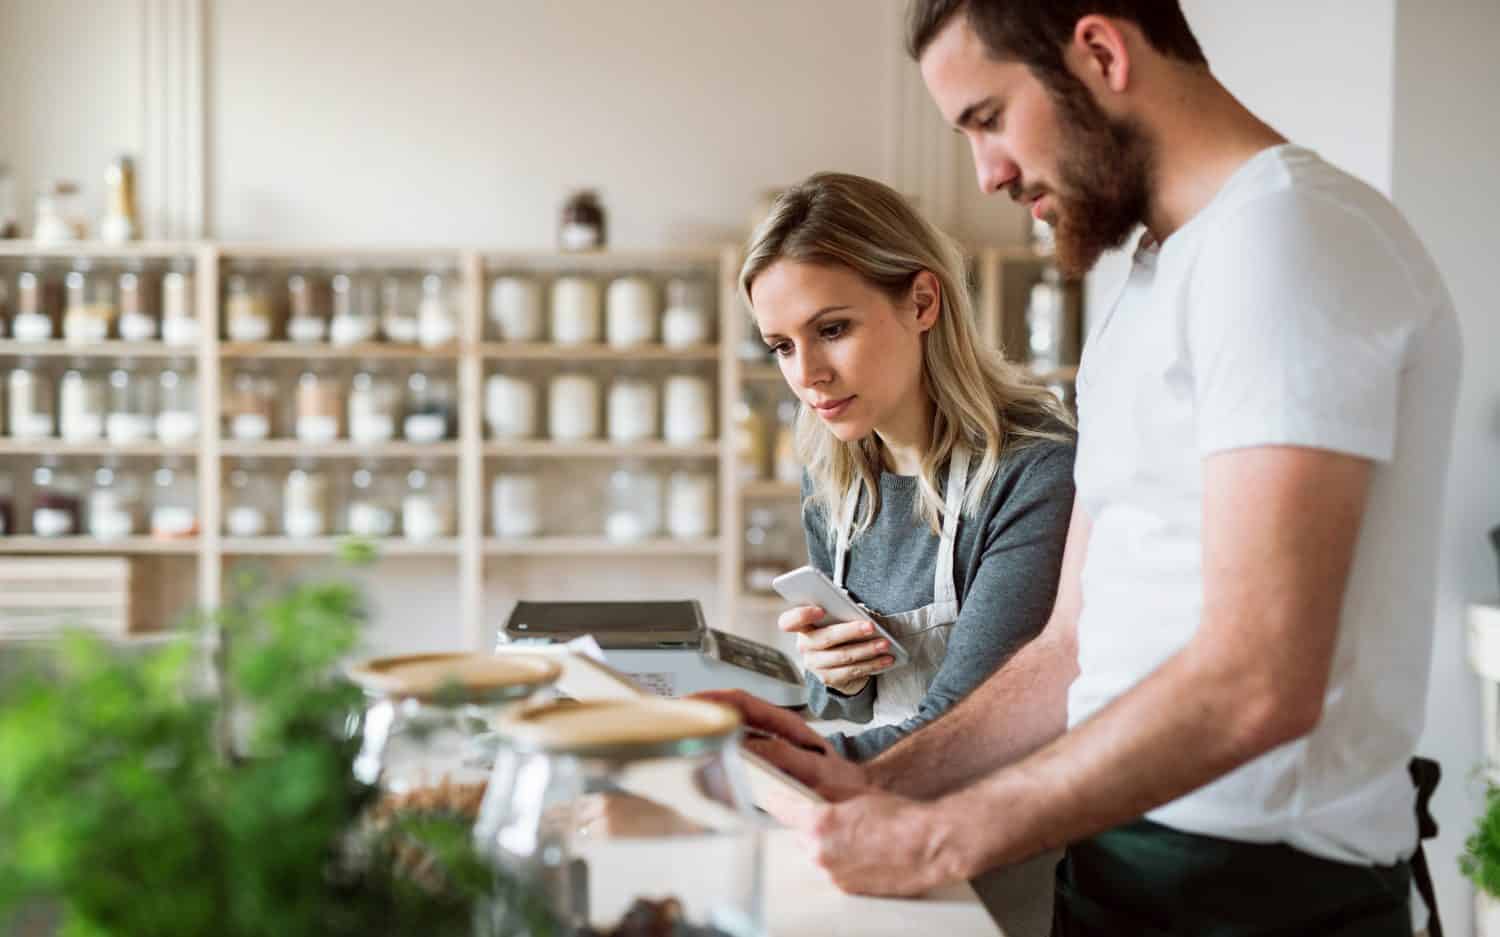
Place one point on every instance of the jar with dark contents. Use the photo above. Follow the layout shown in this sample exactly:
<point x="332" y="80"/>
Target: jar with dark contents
<point x="582" y="226"/>
<point x="431" y="407"/>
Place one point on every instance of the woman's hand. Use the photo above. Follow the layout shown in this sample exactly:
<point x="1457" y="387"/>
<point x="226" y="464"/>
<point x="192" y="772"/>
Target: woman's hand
<point x="844" y="655"/>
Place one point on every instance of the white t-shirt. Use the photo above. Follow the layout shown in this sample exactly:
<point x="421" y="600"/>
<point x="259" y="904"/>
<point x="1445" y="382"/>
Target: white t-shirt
<point x="1299" y="309"/>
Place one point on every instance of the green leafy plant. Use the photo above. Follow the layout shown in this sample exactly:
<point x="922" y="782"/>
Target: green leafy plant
<point x="147" y="793"/>
<point x="1480" y="861"/>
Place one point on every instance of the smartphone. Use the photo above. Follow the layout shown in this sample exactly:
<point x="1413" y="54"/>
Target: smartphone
<point x="808" y="585"/>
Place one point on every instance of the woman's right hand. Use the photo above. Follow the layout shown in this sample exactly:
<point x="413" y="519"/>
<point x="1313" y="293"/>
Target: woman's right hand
<point x="843" y="655"/>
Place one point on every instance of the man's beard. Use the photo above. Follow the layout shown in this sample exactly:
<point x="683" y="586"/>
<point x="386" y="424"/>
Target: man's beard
<point x="1104" y="170"/>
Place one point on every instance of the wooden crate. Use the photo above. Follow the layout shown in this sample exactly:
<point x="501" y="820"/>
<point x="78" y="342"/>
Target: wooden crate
<point x="43" y="596"/>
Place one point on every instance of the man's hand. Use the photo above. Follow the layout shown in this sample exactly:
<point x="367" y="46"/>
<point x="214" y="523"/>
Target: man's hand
<point x="881" y="844"/>
<point x="783" y="739"/>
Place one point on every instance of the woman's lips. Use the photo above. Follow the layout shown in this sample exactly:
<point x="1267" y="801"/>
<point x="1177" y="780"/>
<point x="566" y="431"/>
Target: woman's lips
<point x="833" y="409"/>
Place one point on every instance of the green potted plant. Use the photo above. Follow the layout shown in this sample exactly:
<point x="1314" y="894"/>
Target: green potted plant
<point x="1480" y="862"/>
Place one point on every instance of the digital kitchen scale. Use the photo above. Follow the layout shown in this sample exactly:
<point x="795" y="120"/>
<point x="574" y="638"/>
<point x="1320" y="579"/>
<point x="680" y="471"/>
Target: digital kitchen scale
<point x="664" y="646"/>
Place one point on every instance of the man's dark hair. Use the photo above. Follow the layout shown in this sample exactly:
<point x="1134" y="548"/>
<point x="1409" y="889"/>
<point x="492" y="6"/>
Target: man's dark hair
<point x="1034" y="32"/>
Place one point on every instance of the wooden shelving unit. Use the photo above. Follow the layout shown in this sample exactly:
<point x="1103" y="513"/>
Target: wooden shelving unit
<point x="48" y="546"/>
<point x="545" y="449"/>
<point x="322" y="351"/>
<point x="113" y="349"/>
<point x="599" y="546"/>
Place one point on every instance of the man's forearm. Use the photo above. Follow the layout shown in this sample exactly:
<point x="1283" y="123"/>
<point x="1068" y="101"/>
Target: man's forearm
<point x="1021" y="707"/>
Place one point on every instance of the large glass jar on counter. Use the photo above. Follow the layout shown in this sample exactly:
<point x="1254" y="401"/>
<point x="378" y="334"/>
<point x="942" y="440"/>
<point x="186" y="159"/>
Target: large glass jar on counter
<point x="56" y="504"/>
<point x="90" y="312"/>
<point x="249" y="501"/>
<point x="176" y="404"/>
<point x="625" y="817"/>
<point x="431" y="407"/>
<point x="132" y="405"/>
<point x="174" y="501"/>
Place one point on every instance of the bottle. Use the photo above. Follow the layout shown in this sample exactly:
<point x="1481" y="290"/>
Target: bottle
<point x="435" y="323"/>
<point x="119" y="223"/>
<point x="179" y="306"/>
<point x="788" y="468"/>
<point x="752" y="440"/>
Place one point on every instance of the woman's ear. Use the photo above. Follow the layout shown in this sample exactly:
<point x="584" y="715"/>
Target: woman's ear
<point x="927" y="298"/>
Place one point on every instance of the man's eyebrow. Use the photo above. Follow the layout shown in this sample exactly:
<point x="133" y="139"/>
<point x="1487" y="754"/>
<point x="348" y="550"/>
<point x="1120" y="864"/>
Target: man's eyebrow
<point x="967" y="114"/>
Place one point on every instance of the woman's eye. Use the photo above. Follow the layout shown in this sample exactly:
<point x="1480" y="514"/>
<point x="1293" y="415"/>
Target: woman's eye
<point x="833" y="330"/>
<point x="780" y="349"/>
<point x="988" y="124"/>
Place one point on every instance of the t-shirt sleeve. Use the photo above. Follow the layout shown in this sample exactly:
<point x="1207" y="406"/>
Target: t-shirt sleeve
<point x="1302" y="315"/>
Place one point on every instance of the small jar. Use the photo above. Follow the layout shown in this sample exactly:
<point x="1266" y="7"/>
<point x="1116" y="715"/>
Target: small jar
<point x="179" y="307"/>
<point x="431" y="408"/>
<point x="788" y="468"/>
<point x="177" y="405"/>
<point x="635" y="504"/>
<point x="516" y="505"/>
<point x="575" y="310"/>
<point x="516" y="309"/>
<point x="436" y="325"/>
<point x="631" y="311"/>
<point x="573" y="408"/>
<point x="372" y="504"/>
<point x="632" y="410"/>
<point x="752" y="440"/>
<point x="691" y="511"/>
<point x="80" y="409"/>
<point x="582" y="227"/>
<point x="766" y="555"/>
<point x="7" y="505"/>
<point x="688" y="409"/>
<point x="249" y="500"/>
<point x="1046" y="314"/>
<point x="114" y="504"/>
<point x="36" y="309"/>
<point x="32" y="406"/>
<point x="174" y="502"/>
<point x="354" y="314"/>
<point x="56" y="506"/>
<point x="427" y="507"/>
<point x="247" y="309"/>
<point x="90" y="312"/>
<point x="137" y="306"/>
<point x="6" y="310"/>
<point x="686" y="321"/>
<point x="374" y="405"/>
<point x="132" y="405"/>
<point x="250" y="406"/>
<point x="398" y="311"/>
<point x="510" y="406"/>
<point x="320" y="404"/>
<point x="307" y="319"/>
<point x="304" y="503"/>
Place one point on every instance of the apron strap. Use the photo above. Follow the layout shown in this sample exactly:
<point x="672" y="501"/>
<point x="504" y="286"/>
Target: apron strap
<point x="845" y="524"/>
<point x="1425" y="774"/>
<point x="943" y="590"/>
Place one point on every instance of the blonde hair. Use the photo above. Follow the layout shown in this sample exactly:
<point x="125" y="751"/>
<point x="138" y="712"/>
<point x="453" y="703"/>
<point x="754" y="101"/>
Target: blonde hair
<point x="979" y="399"/>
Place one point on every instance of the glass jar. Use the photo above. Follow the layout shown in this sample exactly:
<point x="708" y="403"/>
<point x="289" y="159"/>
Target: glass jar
<point x="7" y="505"/>
<point x="58" y="219"/>
<point x="1046" y="313"/>
<point x="752" y="440"/>
<point x="632" y="410"/>
<point x="247" y="308"/>
<point x="581" y="227"/>
<point x="6" y="310"/>
<point x="788" y="468"/>
<point x="354" y="315"/>
<point x="374" y="405"/>
<point x="114" y="503"/>
<point x="436" y="325"/>
<point x="179" y="307"/>
<point x="320" y="404"/>
<point x="623" y="817"/>
<point x="427" y="507"/>
<point x="30" y="401"/>
<point x="176" y="405"/>
<point x="431" y="407"/>
<point x="372" y="504"/>
<point x="634" y="504"/>
<point x="174" y="501"/>
<point x="132" y="405"/>
<point x="688" y="409"/>
<point x="80" y="408"/>
<point x="56" y="508"/>
<point x="137" y="321"/>
<point x="304" y="503"/>
<point x="573" y="408"/>
<point x="631" y="309"/>
<point x="575" y="310"/>
<point x="38" y="304"/>
<point x="766" y="553"/>
<point x="510" y="406"/>
<point x="516" y="309"/>
<point x="90" y="311"/>
<point x="307" y="319"/>
<point x="516" y="505"/>
<point x="249" y="500"/>
<point x="691" y="510"/>
<point x="686" y="321"/>
<point x="398" y="311"/>
<point x="250" y="405"/>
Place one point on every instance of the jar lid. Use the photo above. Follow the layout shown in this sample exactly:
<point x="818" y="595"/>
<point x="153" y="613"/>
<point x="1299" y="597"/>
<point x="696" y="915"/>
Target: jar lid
<point x="469" y="676"/>
<point x="623" y="727"/>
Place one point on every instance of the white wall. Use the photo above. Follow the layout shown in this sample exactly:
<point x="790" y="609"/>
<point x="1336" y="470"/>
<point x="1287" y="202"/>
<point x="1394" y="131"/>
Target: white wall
<point x="1447" y="131"/>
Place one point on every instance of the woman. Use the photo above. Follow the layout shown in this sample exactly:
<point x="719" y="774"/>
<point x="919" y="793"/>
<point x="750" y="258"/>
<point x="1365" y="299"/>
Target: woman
<point x="938" y="479"/>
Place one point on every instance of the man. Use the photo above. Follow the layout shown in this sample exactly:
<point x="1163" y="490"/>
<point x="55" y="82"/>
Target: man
<point x="1219" y="715"/>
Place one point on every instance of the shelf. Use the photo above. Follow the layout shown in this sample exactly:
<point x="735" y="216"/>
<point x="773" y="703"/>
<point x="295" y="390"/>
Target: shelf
<point x="324" y="350"/>
<point x="327" y="546"/>
<point x="546" y="449"/>
<point x="133" y="250"/>
<point x="770" y="489"/>
<point x="100" y="447"/>
<point x="1060" y="374"/>
<point x="499" y="260"/>
<point x="340" y="449"/>
<point x="423" y="256"/>
<point x="547" y="351"/>
<point x="769" y="373"/>
<point x="112" y="349"/>
<point x="132" y="545"/>
<point x="599" y="546"/>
